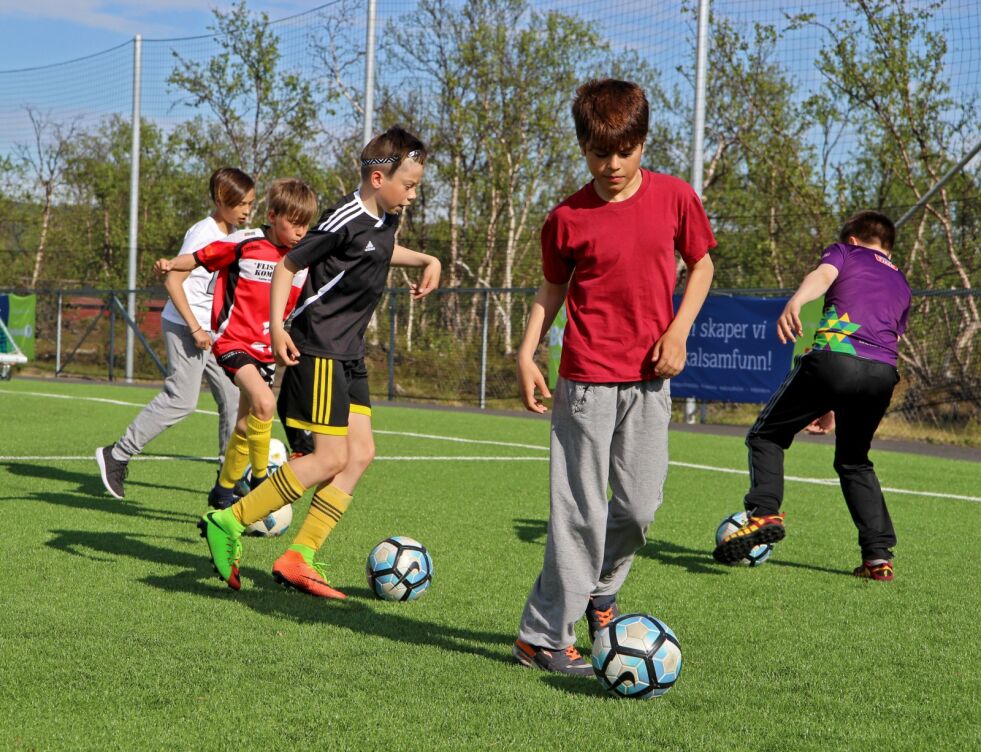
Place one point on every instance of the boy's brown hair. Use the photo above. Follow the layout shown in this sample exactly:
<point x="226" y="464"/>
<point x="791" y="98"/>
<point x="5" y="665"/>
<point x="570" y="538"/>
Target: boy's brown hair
<point x="870" y="227"/>
<point x="610" y="115"/>
<point x="229" y="186"/>
<point x="388" y="150"/>
<point x="293" y="198"/>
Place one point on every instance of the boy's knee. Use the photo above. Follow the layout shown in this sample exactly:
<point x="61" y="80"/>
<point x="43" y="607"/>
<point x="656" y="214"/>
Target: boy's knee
<point x="359" y="457"/>
<point x="264" y="408"/>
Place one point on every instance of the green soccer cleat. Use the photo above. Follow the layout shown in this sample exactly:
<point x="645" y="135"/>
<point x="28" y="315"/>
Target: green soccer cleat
<point x="223" y="534"/>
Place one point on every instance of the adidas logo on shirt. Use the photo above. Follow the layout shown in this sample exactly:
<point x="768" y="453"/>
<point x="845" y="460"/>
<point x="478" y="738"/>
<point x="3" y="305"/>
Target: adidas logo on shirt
<point x="370" y="247"/>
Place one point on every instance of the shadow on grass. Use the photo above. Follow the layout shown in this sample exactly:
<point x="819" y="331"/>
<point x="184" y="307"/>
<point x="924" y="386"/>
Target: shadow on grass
<point x="88" y="483"/>
<point x="106" y="505"/>
<point x="697" y="561"/>
<point x="359" y="613"/>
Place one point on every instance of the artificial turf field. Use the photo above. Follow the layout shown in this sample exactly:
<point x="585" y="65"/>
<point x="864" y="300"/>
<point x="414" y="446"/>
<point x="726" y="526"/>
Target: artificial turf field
<point x="115" y="634"/>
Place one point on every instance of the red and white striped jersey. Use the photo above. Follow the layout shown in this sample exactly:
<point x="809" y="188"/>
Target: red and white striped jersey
<point x="245" y="261"/>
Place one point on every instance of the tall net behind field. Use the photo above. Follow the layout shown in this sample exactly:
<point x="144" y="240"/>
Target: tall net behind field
<point x="810" y="115"/>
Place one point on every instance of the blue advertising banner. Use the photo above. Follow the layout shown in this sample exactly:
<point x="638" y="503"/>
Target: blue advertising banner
<point x="733" y="351"/>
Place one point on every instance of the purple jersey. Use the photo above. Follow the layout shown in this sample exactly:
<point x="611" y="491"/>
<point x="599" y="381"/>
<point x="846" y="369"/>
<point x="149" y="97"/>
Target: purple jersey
<point x="866" y="307"/>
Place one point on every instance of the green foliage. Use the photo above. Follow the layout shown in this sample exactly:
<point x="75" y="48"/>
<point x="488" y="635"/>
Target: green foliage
<point x="266" y="116"/>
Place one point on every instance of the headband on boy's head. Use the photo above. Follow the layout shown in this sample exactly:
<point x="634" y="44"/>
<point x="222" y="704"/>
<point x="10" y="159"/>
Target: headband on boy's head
<point x="392" y="159"/>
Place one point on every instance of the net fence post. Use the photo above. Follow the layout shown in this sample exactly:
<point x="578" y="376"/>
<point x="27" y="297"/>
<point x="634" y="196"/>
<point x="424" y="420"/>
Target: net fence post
<point x="134" y="201"/>
<point x="392" y="316"/>
<point x="483" y="352"/>
<point x="698" y="134"/>
<point x="58" y="325"/>
<point x="369" y="72"/>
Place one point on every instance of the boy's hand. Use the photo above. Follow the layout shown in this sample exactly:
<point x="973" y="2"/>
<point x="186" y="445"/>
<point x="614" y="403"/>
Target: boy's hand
<point x="669" y="355"/>
<point x="824" y="424"/>
<point x="429" y="281"/>
<point x="162" y="267"/>
<point x="530" y="378"/>
<point x="202" y="339"/>
<point x="789" y="327"/>
<point x="284" y="350"/>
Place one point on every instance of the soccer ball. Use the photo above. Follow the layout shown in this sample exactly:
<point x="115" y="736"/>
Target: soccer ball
<point x="273" y="524"/>
<point x="731" y="524"/>
<point x="636" y="656"/>
<point x="399" y="569"/>
<point x="278" y="456"/>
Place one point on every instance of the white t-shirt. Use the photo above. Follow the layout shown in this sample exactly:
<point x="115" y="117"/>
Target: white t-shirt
<point x="197" y="286"/>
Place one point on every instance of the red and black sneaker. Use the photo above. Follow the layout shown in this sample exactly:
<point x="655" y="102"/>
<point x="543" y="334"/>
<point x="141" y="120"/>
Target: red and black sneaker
<point x="881" y="571"/>
<point x="599" y="613"/>
<point x="564" y="661"/>
<point x="757" y="530"/>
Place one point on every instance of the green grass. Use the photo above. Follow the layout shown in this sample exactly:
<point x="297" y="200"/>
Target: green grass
<point x="114" y="633"/>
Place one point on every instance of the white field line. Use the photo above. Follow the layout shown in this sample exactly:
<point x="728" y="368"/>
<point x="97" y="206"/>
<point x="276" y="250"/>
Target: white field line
<point x="455" y="439"/>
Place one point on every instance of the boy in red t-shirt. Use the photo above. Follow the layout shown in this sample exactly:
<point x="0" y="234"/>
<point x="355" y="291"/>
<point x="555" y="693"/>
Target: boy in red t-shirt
<point x="245" y="262"/>
<point x="608" y="253"/>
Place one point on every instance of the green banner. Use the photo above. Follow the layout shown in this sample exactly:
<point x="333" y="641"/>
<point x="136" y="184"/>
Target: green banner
<point x="21" y="321"/>
<point x="555" y="347"/>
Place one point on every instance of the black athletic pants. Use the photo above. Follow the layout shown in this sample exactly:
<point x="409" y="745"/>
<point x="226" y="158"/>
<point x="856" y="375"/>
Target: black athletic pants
<point x="858" y="390"/>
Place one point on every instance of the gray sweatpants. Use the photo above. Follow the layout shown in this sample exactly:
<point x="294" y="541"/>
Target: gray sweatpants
<point x="604" y="436"/>
<point x="179" y="397"/>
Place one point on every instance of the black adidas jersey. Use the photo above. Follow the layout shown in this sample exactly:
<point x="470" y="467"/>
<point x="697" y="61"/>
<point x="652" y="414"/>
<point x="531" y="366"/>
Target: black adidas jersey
<point x="347" y="256"/>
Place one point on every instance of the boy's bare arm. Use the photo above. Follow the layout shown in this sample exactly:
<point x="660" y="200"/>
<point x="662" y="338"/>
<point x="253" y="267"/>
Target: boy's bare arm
<point x="544" y="308"/>
<point x="671" y="350"/>
<point x="283" y="348"/>
<point x="174" y="282"/>
<point x="183" y="263"/>
<point x="815" y="284"/>
<point x="430" y="265"/>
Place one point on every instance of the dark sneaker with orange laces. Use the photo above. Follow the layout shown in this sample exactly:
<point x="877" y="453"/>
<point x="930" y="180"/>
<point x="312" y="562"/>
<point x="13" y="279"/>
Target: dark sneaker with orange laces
<point x="566" y="661"/>
<point x="599" y="613"/>
<point x="292" y="570"/>
<point x="881" y="571"/>
<point x="757" y="530"/>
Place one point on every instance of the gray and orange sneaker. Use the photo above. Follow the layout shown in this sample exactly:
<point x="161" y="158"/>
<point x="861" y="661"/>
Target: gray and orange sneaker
<point x="757" y="530"/>
<point x="600" y="612"/>
<point x="565" y="661"/>
<point x="879" y="570"/>
<point x="223" y="534"/>
<point x="294" y="571"/>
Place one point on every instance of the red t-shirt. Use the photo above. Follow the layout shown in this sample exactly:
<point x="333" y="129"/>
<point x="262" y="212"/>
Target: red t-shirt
<point x="245" y="261"/>
<point x="618" y="258"/>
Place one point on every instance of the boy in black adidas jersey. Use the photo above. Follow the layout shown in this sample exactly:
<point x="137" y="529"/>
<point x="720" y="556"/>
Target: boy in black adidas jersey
<point x="325" y="387"/>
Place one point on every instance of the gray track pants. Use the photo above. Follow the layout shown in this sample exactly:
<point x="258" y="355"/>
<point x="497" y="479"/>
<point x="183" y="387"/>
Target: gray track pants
<point x="603" y="436"/>
<point x="179" y="397"/>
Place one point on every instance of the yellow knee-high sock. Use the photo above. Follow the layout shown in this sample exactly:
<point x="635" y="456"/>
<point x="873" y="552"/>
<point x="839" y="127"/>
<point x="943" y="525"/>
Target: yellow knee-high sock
<point x="236" y="458"/>
<point x="328" y="504"/>
<point x="281" y="489"/>
<point x="259" y="433"/>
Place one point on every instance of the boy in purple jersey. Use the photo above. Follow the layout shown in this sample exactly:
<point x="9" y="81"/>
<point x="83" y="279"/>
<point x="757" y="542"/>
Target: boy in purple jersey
<point x="851" y="369"/>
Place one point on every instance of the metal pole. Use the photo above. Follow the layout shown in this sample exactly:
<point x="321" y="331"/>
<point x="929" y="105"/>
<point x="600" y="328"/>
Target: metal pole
<point x="940" y="184"/>
<point x="698" y="131"/>
<point x="392" y="310"/>
<point x="112" y="333"/>
<point x="369" y="74"/>
<point x="58" y="337"/>
<point x="483" y="353"/>
<point x="134" y="201"/>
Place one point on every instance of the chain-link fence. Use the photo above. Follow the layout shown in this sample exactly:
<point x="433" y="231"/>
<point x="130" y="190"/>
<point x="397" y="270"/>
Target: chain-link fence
<point x="455" y="347"/>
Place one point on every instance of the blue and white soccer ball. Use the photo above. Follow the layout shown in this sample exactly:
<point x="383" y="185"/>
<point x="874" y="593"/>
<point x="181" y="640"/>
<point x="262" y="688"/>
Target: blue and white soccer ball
<point x="637" y="656"/>
<point x="399" y="569"/>
<point x="731" y="524"/>
<point x="274" y="523"/>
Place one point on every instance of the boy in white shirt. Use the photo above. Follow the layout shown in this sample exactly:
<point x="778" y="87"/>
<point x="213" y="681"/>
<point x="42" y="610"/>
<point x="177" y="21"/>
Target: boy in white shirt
<point x="186" y="323"/>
